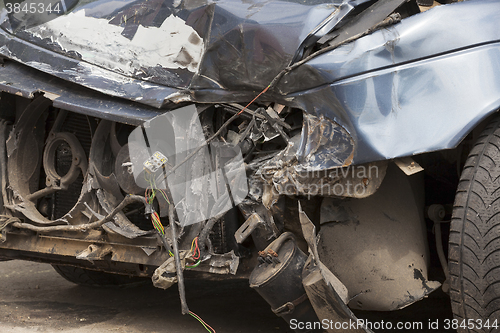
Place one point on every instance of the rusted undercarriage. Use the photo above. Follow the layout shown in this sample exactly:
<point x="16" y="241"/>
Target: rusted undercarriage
<point x="298" y="168"/>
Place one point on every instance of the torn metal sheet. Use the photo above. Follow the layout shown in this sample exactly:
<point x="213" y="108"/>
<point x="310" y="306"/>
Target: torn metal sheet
<point x="309" y="231"/>
<point x="203" y="44"/>
<point x="27" y="82"/>
<point x="380" y="81"/>
<point x="373" y="244"/>
<point x="222" y="264"/>
<point x="328" y="295"/>
<point x="84" y="74"/>
<point x="180" y="47"/>
<point x="402" y="43"/>
<point x="325" y="170"/>
<point x="327" y="303"/>
<point x="323" y="144"/>
<point x="362" y="23"/>
<point x="396" y="89"/>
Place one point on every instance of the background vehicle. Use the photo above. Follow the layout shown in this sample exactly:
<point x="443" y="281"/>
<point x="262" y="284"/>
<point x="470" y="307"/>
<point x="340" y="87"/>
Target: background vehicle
<point x="169" y="138"/>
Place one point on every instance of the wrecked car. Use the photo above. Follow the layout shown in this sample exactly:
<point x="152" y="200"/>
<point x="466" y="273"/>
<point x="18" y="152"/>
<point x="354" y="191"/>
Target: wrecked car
<point x="317" y="148"/>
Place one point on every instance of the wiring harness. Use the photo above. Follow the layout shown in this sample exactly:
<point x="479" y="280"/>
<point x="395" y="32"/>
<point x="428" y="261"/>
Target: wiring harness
<point x="195" y="253"/>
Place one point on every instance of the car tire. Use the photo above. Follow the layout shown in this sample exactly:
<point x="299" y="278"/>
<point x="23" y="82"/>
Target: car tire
<point x="474" y="246"/>
<point x="87" y="277"/>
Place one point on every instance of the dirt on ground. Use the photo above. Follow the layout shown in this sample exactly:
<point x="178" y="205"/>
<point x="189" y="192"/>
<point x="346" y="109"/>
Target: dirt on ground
<point x="34" y="298"/>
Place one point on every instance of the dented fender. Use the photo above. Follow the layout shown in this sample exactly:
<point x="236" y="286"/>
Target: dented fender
<point x="418" y="86"/>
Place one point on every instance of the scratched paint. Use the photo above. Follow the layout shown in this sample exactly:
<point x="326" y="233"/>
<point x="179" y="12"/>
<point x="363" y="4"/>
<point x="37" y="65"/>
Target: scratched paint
<point x="103" y="44"/>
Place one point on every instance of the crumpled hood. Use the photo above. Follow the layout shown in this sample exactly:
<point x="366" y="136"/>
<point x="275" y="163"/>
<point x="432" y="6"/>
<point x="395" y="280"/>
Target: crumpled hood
<point x="229" y="44"/>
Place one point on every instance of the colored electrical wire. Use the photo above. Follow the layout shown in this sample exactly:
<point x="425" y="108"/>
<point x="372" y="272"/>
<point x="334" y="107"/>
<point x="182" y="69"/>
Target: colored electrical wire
<point x="195" y="265"/>
<point x="253" y="100"/>
<point x="197" y="249"/>
<point x="207" y="327"/>
<point x="164" y="195"/>
<point x="157" y="223"/>
<point x="192" y="243"/>
<point x="196" y="253"/>
<point x="150" y="194"/>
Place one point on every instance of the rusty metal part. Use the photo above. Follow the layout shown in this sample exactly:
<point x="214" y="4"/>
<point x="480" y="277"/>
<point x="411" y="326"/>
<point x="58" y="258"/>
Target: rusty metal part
<point x="263" y="233"/>
<point x="225" y="264"/>
<point x="248" y="227"/>
<point x="272" y="252"/>
<point x="166" y="275"/>
<point x="95" y="252"/>
<point x="317" y="163"/>
<point x="54" y="181"/>
<point x="377" y="246"/>
<point x="63" y="247"/>
<point x="107" y="187"/>
<point x="354" y="181"/>
<point x="25" y="152"/>
<point x="408" y="165"/>
<point x="83" y="227"/>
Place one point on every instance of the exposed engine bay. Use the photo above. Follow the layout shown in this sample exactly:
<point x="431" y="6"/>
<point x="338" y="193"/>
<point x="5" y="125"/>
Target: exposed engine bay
<point x="306" y="165"/>
<point x="101" y="195"/>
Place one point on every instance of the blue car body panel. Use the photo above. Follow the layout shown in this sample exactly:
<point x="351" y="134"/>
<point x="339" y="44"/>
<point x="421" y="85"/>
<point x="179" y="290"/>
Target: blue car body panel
<point x="417" y="86"/>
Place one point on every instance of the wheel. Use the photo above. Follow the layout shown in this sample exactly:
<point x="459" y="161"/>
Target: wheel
<point x="474" y="247"/>
<point x="87" y="277"/>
